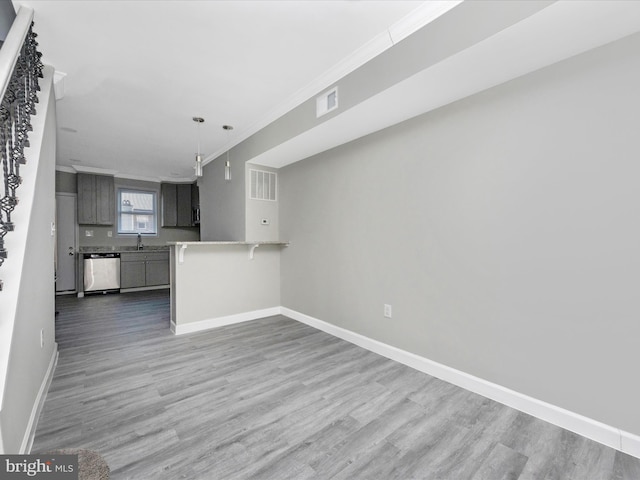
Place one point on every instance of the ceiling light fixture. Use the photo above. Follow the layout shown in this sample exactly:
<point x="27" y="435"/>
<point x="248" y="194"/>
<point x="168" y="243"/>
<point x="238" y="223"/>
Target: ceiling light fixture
<point x="227" y="164"/>
<point x="198" y="167"/>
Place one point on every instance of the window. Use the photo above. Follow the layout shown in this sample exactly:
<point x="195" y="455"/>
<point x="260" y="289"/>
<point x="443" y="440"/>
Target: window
<point x="137" y="212"/>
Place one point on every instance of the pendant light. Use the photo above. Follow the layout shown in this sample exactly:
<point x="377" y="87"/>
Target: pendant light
<point x="198" y="166"/>
<point x="227" y="164"/>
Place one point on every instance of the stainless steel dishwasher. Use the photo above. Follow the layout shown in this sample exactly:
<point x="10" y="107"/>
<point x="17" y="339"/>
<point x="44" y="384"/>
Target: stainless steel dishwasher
<point x="101" y="273"/>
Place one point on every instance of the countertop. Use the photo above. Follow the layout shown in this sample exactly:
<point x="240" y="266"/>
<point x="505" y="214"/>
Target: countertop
<point x="146" y="248"/>
<point x="230" y="242"/>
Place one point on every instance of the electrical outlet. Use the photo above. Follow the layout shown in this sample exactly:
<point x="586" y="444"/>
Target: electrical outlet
<point x="387" y="311"/>
<point x="42" y="338"/>
<point x="88" y="233"/>
<point x="264" y="221"/>
<point x="109" y="233"/>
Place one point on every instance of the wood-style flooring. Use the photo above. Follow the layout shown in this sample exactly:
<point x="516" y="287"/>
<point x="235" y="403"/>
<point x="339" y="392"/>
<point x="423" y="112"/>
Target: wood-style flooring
<point x="277" y="399"/>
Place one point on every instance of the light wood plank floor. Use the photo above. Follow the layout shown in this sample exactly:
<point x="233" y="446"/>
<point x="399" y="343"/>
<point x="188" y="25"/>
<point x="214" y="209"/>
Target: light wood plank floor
<point x="276" y="399"/>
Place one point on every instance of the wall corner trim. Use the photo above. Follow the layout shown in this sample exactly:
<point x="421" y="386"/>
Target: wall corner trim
<point x="30" y="433"/>
<point x="630" y="444"/>
<point x="605" y="434"/>
<point x="181" y="329"/>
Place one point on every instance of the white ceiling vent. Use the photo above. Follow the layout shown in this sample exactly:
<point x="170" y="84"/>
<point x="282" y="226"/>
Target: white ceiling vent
<point x="263" y="185"/>
<point x="326" y="102"/>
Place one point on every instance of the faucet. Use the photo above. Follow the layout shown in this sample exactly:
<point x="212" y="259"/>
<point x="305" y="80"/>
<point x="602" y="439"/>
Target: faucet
<point x="139" y="244"/>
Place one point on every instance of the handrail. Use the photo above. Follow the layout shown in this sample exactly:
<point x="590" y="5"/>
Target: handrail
<point x="20" y="68"/>
<point x="13" y="45"/>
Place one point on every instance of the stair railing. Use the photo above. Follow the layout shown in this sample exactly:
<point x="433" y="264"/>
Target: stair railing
<point x="20" y="68"/>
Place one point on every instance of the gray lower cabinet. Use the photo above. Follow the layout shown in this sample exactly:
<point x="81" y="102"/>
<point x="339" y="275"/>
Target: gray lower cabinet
<point x="144" y="269"/>
<point x="157" y="272"/>
<point x="132" y="274"/>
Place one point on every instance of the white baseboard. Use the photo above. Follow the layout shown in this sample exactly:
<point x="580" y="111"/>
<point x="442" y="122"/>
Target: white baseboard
<point x="587" y="427"/>
<point x="222" y="321"/>
<point x="27" y="441"/>
<point x="144" y="289"/>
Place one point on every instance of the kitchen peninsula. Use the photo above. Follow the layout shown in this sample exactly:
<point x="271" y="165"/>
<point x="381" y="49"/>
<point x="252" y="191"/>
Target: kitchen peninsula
<point x="224" y="282"/>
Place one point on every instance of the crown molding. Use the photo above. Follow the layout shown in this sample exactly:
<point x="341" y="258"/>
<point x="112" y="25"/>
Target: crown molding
<point x="421" y="16"/>
<point x="117" y="174"/>
<point x="418" y="18"/>
<point x="94" y="170"/>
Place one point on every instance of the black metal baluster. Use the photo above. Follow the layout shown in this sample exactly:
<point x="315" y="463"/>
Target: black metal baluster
<point x="16" y="109"/>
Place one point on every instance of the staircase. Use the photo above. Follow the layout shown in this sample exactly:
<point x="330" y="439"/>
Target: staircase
<point x="27" y="225"/>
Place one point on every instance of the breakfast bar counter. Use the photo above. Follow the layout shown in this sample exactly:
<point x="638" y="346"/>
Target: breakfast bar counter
<point x="223" y="282"/>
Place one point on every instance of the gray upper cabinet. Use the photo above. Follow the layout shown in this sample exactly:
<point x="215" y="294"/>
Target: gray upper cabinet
<point x="86" y="199"/>
<point x="177" y="204"/>
<point x="184" y="204"/>
<point x="195" y="205"/>
<point x="195" y="196"/>
<point x="96" y="199"/>
<point x="105" y="200"/>
<point x="169" y="205"/>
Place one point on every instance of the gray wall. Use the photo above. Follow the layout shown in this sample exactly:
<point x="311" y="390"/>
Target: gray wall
<point x="28" y="362"/>
<point x="66" y="182"/>
<point x="222" y="202"/>
<point x="261" y="209"/>
<point x="503" y="229"/>
<point x="101" y="238"/>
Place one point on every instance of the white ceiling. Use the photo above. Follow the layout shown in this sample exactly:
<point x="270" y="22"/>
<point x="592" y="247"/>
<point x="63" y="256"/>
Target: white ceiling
<point x="138" y="71"/>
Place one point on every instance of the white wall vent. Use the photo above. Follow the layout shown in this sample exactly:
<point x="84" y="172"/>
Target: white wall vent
<point x="263" y="185"/>
<point x="327" y="102"/>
